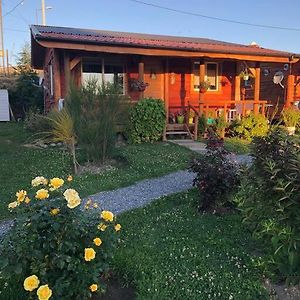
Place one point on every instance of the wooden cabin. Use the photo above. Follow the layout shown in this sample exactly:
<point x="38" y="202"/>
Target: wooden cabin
<point x="170" y="68"/>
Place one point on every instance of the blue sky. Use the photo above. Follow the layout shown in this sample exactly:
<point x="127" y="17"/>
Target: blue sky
<point x="125" y="15"/>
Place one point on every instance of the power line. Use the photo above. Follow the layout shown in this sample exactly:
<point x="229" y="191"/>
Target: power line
<point x="14" y="8"/>
<point x="214" y="18"/>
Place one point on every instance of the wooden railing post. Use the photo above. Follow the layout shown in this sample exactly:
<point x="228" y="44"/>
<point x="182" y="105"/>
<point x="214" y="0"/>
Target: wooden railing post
<point x="196" y="127"/>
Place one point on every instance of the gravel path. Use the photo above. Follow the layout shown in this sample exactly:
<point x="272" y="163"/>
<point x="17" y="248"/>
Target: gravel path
<point x="141" y="193"/>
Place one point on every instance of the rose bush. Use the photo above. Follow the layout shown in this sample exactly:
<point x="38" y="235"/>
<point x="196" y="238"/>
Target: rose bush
<point x="55" y="249"/>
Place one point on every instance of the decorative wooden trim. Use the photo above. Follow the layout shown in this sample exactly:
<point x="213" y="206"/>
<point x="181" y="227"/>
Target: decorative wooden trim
<point x="163" y="52"/>
<point x="257" y="83"/>
<point x="74" y="62"/>
<point x="237" y="83"/>
<point x="141" y="77"/>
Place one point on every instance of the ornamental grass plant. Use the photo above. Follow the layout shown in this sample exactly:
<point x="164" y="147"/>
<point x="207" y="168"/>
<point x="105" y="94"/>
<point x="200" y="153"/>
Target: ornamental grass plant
<point x="56" y="250"/>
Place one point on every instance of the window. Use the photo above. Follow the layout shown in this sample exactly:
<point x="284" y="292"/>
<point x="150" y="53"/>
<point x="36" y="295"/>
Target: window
<point x="91" y="71"/>
<point x="211" y="75"/>
<point x="104" y="72"/>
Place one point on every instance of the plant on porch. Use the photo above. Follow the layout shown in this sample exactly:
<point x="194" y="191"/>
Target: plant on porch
<point x="204" y="86"/>
<point x="290" y="118"/>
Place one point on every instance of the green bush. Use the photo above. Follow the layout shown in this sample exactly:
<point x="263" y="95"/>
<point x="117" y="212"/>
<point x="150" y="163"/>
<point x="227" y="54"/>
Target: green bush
<point x="55" y="243"/>
<point x="147" y="121"/>
<point x="216" y="175"/>
<point x="35" y="122"/>
<point x="95" y="110"/>
<point x="251" y="126"/>
<point x="269" y="199"/>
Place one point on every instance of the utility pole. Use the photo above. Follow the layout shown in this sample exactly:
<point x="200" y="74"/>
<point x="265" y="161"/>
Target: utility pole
<point x="2" y="38"/>
<point x="43" y="12"/>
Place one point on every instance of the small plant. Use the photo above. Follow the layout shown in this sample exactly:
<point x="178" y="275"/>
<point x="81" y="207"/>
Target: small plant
<point x="204" y="86"/>
<point x="290" y="117"/>
<point x="245" y="74"/>
<point x="147" y="121"/>
<point x="202" y="124"/>
<point x="216" y="175"/>
<point x="220" y="125"/>
<point x="251" y="126"/>
<point x="54" y="249"/>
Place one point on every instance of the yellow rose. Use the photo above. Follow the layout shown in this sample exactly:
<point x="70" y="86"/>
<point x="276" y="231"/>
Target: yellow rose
<point x="94" y="287"/>
<point x="39" y="180"/>
<point x="89" y="254"/>
<point x="13" y="204"/>
<point x="97" y="241"/>
<point x="42" y="194"/>
<point x="72" y="203"/>
<point x="44" y="292"/>
<point x="54" y="211"/>
<point x="21" y="195"/>
<point x="27" y="200"/>
<point x="56" y="183"/>
<point x="118" y="227"/>
<point x="70" y="178"/>
<point x="107" y="216"/>
<point x="72" y="198"/>
<point x="102" y="227"/>
<point x="31" y="283"/>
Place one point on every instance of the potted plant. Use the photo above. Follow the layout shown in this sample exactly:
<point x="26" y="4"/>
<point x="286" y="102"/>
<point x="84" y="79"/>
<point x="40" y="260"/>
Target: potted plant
<point x="180" y="117"/>
<point x="203" y="86"/>
<point x="191" y="117"/>
<point x="137" y="85"/>
<point x="245" y="74"/>
<point x="290" y="118"/>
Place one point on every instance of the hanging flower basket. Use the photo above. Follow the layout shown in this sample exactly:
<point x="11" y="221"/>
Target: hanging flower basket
<point x="137" y="85"/>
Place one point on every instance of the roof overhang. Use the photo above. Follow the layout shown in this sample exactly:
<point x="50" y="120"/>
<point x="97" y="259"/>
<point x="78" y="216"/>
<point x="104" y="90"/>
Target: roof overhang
<point x="40" y="42"/>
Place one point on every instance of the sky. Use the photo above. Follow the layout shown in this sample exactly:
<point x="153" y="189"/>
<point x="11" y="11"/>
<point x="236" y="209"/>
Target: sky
<point x="128" y="15"/>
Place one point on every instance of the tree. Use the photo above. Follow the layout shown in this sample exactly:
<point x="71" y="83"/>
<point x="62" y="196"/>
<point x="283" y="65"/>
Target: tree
<point x="26" y="93"/>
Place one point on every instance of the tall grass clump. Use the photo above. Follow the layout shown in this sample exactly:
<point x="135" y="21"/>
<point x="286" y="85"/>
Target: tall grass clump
<point x="96" y="111"/>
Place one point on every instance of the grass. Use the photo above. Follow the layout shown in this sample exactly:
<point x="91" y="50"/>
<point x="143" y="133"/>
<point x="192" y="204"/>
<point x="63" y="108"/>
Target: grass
<point x="237" y="145"/>
<point x="19" y="164"/>
<point x="169" y="251"/>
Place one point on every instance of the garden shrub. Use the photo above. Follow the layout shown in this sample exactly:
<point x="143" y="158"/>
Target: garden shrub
<point x="216" y="175"/>
<point x="251" y="126"/>
<point x="269" y="200"/>
<point x="55" y="248"/>
<point x="147" y="121"/>
<point x="202" y="125"/>
<point x="95" y="110"/>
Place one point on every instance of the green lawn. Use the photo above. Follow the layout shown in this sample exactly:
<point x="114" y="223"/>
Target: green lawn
<point x="18" y="165"/>
<point x="169" y="251"/>
<point x="237" y="145"/>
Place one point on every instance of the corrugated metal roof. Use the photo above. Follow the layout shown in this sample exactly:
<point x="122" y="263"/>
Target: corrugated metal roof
<point x="102" y="37"/>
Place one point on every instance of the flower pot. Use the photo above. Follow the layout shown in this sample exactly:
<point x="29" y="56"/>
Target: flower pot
<point x="191" y="120"/>
<point x="203" y="90"/>
<point x="246" y="77"/>
<point x="180" y="119"/>
<point x="291" y="130"/>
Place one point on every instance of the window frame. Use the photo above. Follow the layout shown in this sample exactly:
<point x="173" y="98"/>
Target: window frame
<point x="102" y="63"/>
<point x="218" y="67"/>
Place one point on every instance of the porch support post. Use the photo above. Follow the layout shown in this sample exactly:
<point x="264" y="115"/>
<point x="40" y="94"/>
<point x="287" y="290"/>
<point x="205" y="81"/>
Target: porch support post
<point x="201" y="78"/>
<point x="141" y="77"/>
<point x="289" y="91"/>
<point x="256" y="89"/>
<point x="237" y="83"/>
<point x="166" y="96"/>
<point x="56" y="75"/>
<point x="67" y="72"/>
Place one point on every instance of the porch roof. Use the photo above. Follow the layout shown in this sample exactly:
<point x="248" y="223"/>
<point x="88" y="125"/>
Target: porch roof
<point x="102" y="37"/>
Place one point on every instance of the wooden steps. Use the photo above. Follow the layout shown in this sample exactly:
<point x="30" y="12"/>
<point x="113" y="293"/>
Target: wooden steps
<point x="178" y="130"/>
